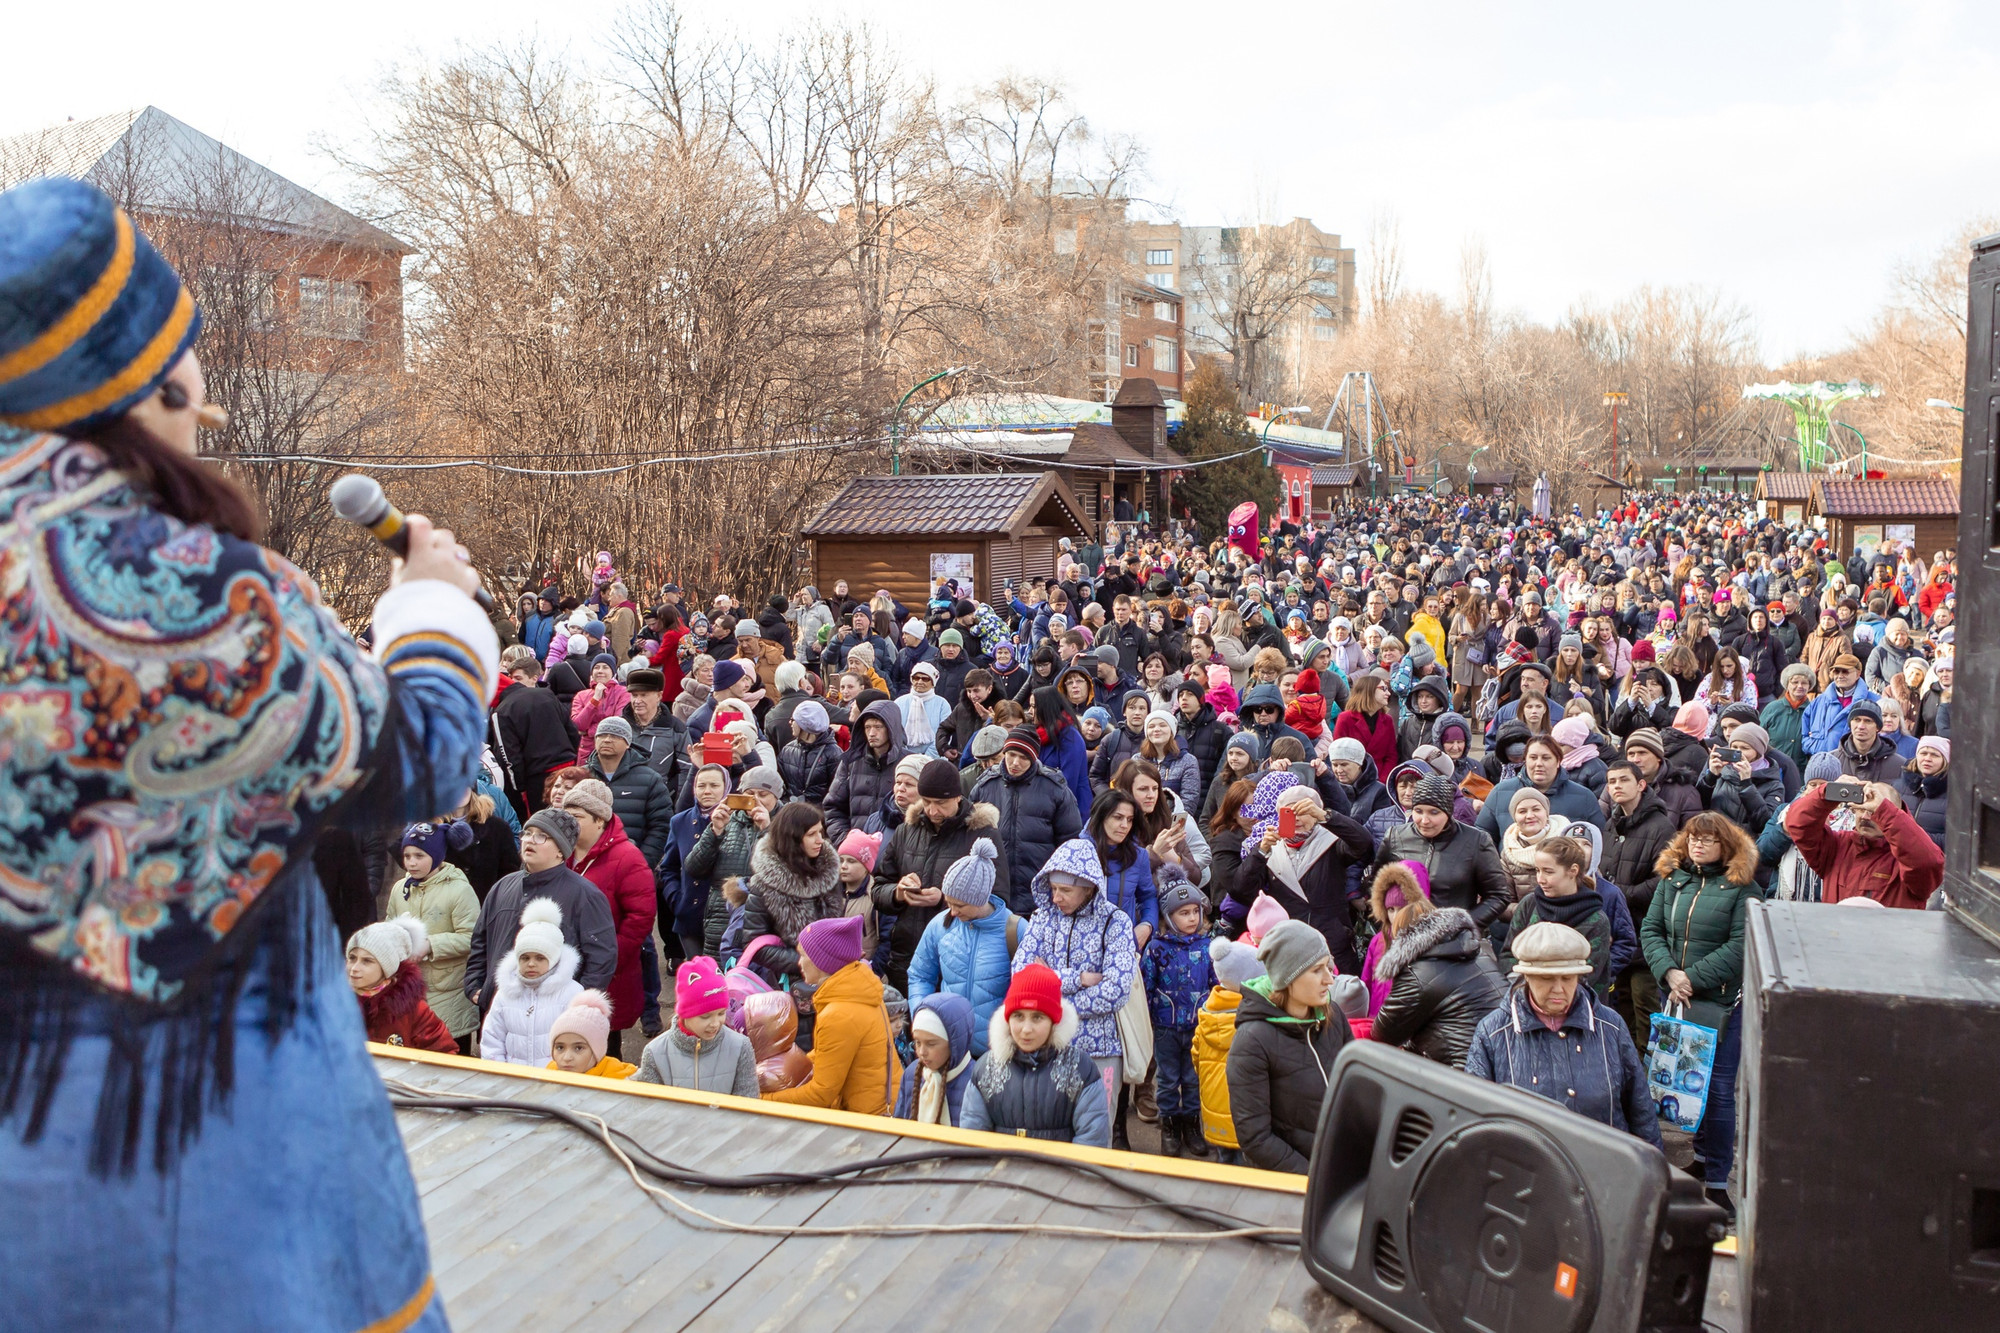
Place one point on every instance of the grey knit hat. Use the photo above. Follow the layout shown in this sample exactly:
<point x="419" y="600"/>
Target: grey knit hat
<point x="1290" y="949"/>
<point x="1436" y="792"/>
<point x="762" y="778"/>
<point x="590" y="796"/>
<point x="1347" y="750"/>
<point x="1823" y="767"/>
<point x="615" y="726"/>
<point x="969" y="880"/>
<point x="559" y="824"/>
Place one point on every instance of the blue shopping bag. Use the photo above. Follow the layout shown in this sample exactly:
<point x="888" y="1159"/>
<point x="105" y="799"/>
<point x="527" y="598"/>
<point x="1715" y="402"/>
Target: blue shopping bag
<point x="1680" y="1061"/>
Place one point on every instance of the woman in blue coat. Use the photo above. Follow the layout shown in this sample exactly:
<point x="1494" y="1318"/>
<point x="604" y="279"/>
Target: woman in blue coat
<point x="934" y="1084"/>
<point x="968" y="949"/>
<point x="1062" y="744"/>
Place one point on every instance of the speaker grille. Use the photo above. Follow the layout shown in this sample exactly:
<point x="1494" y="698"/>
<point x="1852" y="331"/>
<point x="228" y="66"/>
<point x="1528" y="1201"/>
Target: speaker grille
<point x="1413" y="1126"/>
<point x="1388" y="1259"/>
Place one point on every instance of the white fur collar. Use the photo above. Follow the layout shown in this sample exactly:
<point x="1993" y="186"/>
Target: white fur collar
<point x="1001" y="1041"/>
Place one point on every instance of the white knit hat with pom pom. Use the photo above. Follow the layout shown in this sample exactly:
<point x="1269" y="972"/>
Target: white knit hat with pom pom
<point x="541" y="929"/>
<point x="391" y="942"/>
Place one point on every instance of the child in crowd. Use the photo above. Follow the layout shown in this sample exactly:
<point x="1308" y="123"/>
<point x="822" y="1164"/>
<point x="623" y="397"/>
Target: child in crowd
<point x="1178" y="974"/>
<point x="734" y="896"/>
<point x="854" y="1064"/>
<point x="699" y="1050"/>
<point x="1094" y="722"/>
<point x="933" y="1091"/>
<point x="1235" y="962"/>
<point x="858" y="851"/>
<point x="382" y="968"/>
<point x="1350" y="996"/>
<point x="1034" y="1080"/>
<point x="536" y="983"/>
<point x="578" y="1037"/>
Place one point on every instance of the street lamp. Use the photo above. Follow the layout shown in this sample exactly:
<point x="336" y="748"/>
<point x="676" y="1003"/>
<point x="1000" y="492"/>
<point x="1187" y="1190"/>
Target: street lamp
<point x="1280" y="415"/>
<point x="896" y="424"/>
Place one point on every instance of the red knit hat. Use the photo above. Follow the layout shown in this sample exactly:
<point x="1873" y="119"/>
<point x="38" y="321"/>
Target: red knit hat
<point x="1035" y="987"/>
<point x="1308" y="682"/>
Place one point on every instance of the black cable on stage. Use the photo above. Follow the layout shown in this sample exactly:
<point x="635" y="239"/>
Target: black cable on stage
<point x="854" y="1173"/>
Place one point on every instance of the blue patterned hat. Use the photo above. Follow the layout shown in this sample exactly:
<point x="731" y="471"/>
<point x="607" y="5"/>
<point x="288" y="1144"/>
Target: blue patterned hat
<point x="91" y="318"/>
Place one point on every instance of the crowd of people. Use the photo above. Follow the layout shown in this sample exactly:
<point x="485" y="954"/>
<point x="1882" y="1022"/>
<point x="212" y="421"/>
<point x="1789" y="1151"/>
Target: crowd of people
<point x="1157" y="835"/>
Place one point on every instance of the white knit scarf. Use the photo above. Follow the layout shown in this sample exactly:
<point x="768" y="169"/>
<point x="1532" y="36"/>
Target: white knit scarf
<point x="932" y="1108"/>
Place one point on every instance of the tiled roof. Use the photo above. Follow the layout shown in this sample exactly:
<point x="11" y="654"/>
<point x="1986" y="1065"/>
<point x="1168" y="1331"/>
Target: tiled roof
<point x="1892" y="497"/>
<point x="1787" y="485"/>
<point x="1095" y="445"/>
<point x="1493" y="479"/>
<point x="1335" y="474"/>
<point x="935" y="504"/>
<point x="164" y="163"/>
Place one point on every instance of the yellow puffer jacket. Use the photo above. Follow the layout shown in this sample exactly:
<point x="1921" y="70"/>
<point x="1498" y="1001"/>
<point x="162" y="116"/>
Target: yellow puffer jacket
<point x="1214" y="1030"/>
<point x="854" y="1064"/>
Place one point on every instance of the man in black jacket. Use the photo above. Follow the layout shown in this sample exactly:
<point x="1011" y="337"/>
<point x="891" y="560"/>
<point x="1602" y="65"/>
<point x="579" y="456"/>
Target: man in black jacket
<point x="1462" y="862"/>
<point x="639" y="795"/>
<point x="530" y="728"/>
<point x="1127" y="635"/>
<point x="1036" y="813"/>
<point x="546" y="844"/>
<point x="909" y="873"/>
<point x="1637" y="827"/>
<point x="660" y="738"/>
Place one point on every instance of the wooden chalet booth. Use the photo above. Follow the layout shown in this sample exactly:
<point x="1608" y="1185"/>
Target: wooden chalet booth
<point x="1787" y="496"/>
<point x="1923" y="510"/>
<point x="905" y="533"/>
<point x="1333" y="486"/>
<point x="1493" y="485"/>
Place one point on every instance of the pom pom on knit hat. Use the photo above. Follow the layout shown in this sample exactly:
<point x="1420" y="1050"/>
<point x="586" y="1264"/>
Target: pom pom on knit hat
<point x="541" y="928"/>
<point x="832" y="942"/>
<point x="699" y="988"/>
<point x="863" y="847"/>
<point x="390" y="942"/>
<point x="969" y="880"/>
<point x="1235" y="963"/>
<point x="589" y="1017"/>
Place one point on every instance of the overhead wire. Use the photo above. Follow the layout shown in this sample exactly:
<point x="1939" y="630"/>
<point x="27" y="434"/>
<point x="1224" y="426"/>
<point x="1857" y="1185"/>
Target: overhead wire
<point x="638" y="1159"/>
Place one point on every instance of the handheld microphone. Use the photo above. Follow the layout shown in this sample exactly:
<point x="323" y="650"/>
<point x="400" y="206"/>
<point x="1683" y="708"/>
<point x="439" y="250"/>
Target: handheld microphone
<point x="360" y="500"/>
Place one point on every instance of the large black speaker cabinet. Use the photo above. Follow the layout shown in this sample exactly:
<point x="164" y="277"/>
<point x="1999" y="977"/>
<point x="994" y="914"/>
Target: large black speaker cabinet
<point x="1439" y="1201"/>
<point x="1870" y="1127"/>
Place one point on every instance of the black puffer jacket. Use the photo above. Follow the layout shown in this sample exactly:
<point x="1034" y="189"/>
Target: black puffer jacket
<point x="1278" y="1070"/>
<point x="919" y="847"/>
<point x="1632" y="843"/>
<point x="1463" y="864"/>
<point x="864" y="780"/>
<point x="1925" y="799"/>
<point x="640" y="799"/>
<point x="1444" y="983"/>
<point x="1035" y="814"/>
<point x="1205" y="738"/>
<point x="809" y="770"/>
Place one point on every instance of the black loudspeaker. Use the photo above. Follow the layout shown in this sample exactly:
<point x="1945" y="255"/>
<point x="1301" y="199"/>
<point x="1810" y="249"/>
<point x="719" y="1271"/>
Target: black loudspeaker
<point x="1870" y="1122"/>
<point x="1439" y="1201"/>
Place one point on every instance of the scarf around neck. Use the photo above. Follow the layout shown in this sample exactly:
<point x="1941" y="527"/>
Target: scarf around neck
<point x="932" y="1106"/>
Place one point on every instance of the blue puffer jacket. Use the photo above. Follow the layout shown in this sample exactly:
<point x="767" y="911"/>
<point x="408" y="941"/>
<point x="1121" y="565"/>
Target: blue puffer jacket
<point x="1826" y="718"/>
<point x="1037" y="814"/>
<point x="1097" y="939"/>
<point x="959" y="1031"/>
<point x="1132" y="890"/>
<point x="969" y="959"/>
<point x="1179" y="975"/>
<point x="1182" y="774"/>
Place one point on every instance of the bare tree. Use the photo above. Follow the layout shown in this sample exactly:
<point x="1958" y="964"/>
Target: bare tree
<point x="1248" y="286"/>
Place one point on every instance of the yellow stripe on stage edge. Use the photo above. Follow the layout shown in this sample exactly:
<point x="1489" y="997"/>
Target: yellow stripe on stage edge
<point x="411" y="1311"/>
<point x="143" y="367"/>
<point x="79" y="319"/>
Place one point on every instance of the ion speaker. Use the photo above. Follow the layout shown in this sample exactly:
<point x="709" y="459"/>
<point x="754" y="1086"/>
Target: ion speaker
<point x="1439" y="1201"/>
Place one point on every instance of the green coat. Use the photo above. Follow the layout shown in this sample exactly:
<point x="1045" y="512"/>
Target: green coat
<point x="1786" y="726"/>
<point x="1696" y="923"/>
<point x="449" y="909"/>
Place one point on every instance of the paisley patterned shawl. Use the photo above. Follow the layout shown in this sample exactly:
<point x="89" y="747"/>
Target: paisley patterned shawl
<point x="177" y="712"/>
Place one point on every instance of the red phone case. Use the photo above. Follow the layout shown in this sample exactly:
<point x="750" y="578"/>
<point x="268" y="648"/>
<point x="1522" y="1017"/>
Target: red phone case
<point x="717" y="749"/>
<point x="1288" y="822"/>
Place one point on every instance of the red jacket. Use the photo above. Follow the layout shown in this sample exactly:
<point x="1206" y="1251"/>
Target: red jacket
<point x="620" y="872"/>
<point x="1379" y="740"/>
<point x="1902" y="868"/>
<point x="396" y="1015"/>
<point x="667" y="657"/>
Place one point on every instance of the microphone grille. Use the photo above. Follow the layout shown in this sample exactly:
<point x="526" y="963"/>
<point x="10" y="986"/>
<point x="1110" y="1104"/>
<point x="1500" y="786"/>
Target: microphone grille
<point x="357" y="499"/>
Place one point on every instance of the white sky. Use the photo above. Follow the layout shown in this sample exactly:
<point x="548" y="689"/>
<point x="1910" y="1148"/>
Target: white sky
<point x="1787" y="153"/>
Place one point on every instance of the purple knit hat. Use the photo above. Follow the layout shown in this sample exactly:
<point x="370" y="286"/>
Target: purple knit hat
<point x="1262" y="807"/>
<point x="832" y="942"/>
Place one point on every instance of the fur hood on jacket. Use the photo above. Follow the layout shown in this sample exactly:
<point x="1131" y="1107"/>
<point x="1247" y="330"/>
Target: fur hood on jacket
<point x="1000" y="1041"/>
<point x="1450" y="927"/>
<point x="397" y="1000"/>
<point x="1408" y="877"/>
<point x="564" y="971"/>
<point x="980" y="816"/>
<point x="1739" y="853"/>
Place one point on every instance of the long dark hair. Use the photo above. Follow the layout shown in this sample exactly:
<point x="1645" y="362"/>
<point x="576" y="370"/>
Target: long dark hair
<point x="787" y="837"/>
<point x="1101" y="809"/>
<point x="1145" y="827"/>
<point x="181" y="486"/>
<point x="1052" y="712"/>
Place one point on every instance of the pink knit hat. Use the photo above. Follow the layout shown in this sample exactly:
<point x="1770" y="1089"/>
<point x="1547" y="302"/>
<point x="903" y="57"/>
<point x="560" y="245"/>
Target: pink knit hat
<point x="1218" y="674"/>
<point x="832" y="942"/>
<point x="699" y="988"/>
<point x="1265" y="913"/>
<point x="589" y="1017"/>
<point x="863" y="847"/>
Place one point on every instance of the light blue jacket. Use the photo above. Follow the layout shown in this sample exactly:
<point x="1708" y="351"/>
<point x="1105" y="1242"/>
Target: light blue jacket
<point x="968" y="959"/>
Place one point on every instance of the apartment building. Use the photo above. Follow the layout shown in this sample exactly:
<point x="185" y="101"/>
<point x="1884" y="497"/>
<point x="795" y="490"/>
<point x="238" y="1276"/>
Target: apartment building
<point x="1200" y="264"/>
